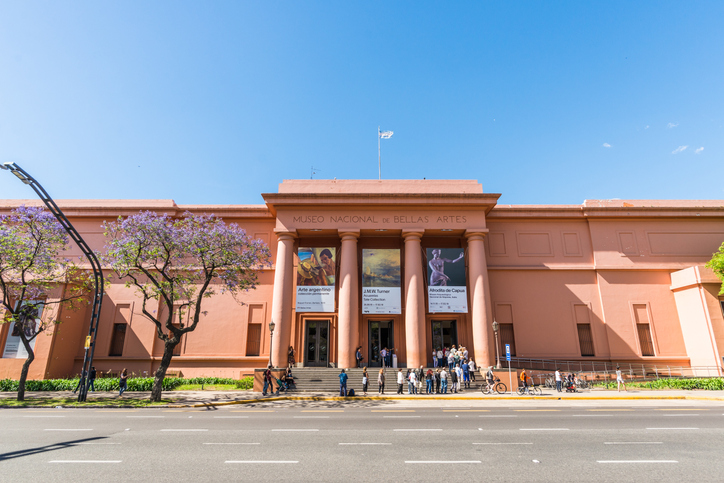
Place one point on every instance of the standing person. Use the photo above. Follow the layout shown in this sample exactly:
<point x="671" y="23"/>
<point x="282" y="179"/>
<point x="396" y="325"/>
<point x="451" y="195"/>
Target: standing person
<point x="619" y="380"/>
<point x="428" y="381"/>
<point x="465" y="353"/>
<point x="434" y="358"/>
<point x="559" y="380"/>
<point x="343" y="384"/>
<point x="459" y="373"/>
<point x="358" y="356"/>
<point x="365" y="381"/>
<point x="451" y="359"/>
<point x="466" y="375"/>
<point x="524" y="380"/>
<point x="389" y="356"/>
<point x="92" y="379"/>
<point x="439" y="357"/>
<point x="381" y="382"/>
<point x="123" y="381"/>
<point x="290" y="356"/>
<point x="420" y="378"/>
<point x="383" y="357"/>
<point x="412" y="383"/>
<point x="453" y="381"/>
<point x="437" y="381"/>
<point x="443" y="381"/>
<point x="400" y="380"/>
<point x="471" y="366"/>
<point x="268" y="384"/>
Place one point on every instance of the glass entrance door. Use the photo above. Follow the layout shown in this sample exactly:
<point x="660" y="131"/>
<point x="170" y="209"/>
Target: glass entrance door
<point x="444" y="334"/>
<point x="380" y="338"/>
<point x="316" y="343"/>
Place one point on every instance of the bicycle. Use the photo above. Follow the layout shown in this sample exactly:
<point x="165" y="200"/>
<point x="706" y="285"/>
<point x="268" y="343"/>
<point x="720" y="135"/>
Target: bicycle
<point x="550" y="382"/>
<point x="532" y="391"/>
<point x="497" y="386"/>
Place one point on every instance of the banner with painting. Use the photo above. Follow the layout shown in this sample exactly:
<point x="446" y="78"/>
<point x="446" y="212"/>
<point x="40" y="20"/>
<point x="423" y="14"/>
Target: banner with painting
<point x="446" y="282"/>
<point x="381" y="292"/>
<point x="14" y="348"/>
<point x="315" y="280"/>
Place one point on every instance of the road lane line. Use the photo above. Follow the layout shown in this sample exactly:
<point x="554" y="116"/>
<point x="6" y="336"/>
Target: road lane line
<point x="633" y="442"/>
<point x="189" y="430"/>
<point x="544" y="429"/>
<point x="393" y="411"/>
<point x="295" y="430"/>
<point x="67" y="430"/>
<point x="417" y="430"/>
<point x="365" y="444"/>
<point x="593" y="415"/>
<point x="48" y="416"/>
<point x="96" y="443"/>
<point x="673" y="429"/>
<point x="145" y="417"/>
<point x="637" y="461"/>
<point x="85" y="461"/>
<point x="498" y="415"/>
<point x="496" y="444"/>
<point x="233" y="443"/>
<point x="466" y="410"/>
<point x="398" y="417"/>
<point x="607" y="410"/>
<point x="311" y="417"/>
<point x="536" y="410"/>
<point x="262" y="462"/>
<point x="679" y="415"/>
<point x="679" y="409"/>
<point x="231" y="417"/>
<point x="443" y="462"/>
<point x="322" y="410"/>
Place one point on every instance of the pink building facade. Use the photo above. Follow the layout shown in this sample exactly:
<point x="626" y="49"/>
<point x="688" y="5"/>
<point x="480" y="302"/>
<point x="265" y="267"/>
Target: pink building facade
<point x="416" y="265"/>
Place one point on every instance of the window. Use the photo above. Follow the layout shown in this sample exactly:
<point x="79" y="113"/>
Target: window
<point x="585" y="339"/>
<point x="117" y="339"/>
<point x="507" y="336"/>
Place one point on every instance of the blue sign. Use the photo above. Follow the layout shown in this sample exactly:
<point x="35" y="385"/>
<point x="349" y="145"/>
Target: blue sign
<point x="507" y="352"/>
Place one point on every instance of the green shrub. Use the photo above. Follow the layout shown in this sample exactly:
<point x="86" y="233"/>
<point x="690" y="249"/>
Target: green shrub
<point x="111" y="384"/>
<point x="709" y="383"/>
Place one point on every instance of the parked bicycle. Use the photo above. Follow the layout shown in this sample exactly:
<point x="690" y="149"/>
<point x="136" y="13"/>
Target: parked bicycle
<point x="532" y="391"/>
<point x="496" y="387"/>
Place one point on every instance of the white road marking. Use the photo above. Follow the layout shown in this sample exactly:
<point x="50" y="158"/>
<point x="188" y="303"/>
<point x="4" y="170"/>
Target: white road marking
<point x="637" y="461"/>
<point x="679" y="415"/>
<point x="544" y="429"/>
<point x="417" y="430"/>
<point x="592" y="415"/>
<point x="633" y="442"/>
<point x="48" y="416"/>
<point x="498" y="416"/>
<point x="145" y="416"/>
<point x="184" y="430"/>
<point x="311" y="417"/>
<point x="235" y="443"/>
<point x="231" y="417"/>
<point x="401" y="417"/>
<point x="500" y="443"/>
<point x="295" y="430"/>
<point x="673" y="429"/>
<point x="442" y="462"/>
<point x="96" y="443"/>
<point x="67" y="430"/>
<point x="263" y="462"/>
<point x="366" y="444"/>
<point x="85" y="461"/>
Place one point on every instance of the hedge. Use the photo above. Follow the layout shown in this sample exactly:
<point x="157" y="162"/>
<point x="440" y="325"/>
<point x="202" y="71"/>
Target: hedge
<point x="709" y="383"/>
<point x="111" y="384"/>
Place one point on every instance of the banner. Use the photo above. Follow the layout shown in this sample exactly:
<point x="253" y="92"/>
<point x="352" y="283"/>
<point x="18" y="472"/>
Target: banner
<point x="446" y="285"/>
<point x="14" y="348"/>
<point x="315" y="280"/>
<point x="381" y="293"/>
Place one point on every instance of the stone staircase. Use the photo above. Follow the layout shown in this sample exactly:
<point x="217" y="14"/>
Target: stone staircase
<point x="326" y="380"/>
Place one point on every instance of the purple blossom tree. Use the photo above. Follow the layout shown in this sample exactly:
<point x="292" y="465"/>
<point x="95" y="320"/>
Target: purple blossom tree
<point x="179" y="262"/>
<point x="31" y="271"/>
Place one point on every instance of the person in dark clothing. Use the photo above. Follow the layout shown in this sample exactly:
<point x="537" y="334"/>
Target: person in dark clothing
<point x="454" y="381"/>
<point x="437" y="381"/>
<point x="92" y="380"/>
<point x="343" y="384"/>
<point x="268" y="383"/>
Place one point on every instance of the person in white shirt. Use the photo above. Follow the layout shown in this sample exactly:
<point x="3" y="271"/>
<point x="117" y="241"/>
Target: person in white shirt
<point x="459" y="373"/>
<point x="443" y="381"/>
<point x="619" y="379"/>
<point x="434" y="358"/>
<point x="471" y="365"/>
<point x="451" y="360"/>
<point x="439" y="358"/>
<point x="559" y="380"/>
<point x="400" y="381"/>
<point x="412" y="383"/>
<point x="383" y="356"/>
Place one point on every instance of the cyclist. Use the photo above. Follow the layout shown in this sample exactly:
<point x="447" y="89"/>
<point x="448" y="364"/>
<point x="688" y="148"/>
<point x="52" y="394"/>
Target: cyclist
<point x="524" y="380"/>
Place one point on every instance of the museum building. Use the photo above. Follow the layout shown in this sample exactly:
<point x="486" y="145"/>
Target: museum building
<point x="415" y="265"/>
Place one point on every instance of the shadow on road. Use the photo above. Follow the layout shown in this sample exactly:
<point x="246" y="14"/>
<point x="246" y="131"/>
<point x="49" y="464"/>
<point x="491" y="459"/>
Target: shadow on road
<point x="45" y="449"/>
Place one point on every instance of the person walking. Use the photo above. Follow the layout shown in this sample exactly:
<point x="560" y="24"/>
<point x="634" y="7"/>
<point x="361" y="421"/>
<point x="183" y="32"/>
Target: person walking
<point x="559" y="380"/>
<point x="381" y="382"/>
<point x="343" y="384"/>
<point x="400" y="381"/>
<point x="123" y="381"/>
<point x="619" y="380"/>
<point x="365" y="381"/>
<point x="268" y="384"/>
<point x="92" y="379"/>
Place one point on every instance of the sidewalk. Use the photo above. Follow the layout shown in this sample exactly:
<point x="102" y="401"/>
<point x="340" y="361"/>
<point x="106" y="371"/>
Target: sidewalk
<point x="222" y="398"/>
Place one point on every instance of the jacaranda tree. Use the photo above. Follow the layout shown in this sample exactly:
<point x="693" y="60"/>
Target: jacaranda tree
<point x="717" y="265"/>
<point x="179" y="262"/>
<point x="34" y="279"/>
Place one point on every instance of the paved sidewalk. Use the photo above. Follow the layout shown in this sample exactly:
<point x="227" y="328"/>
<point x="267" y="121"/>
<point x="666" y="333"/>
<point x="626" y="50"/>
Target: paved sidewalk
<point x="220" y="398"/>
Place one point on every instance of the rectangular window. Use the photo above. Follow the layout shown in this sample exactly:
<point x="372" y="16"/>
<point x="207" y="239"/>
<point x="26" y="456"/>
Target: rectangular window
<point x="253" y="340"/>
<point x="507" y="336"/>
<point x="647" y="345"/>
<point x="117" y="340"/>
<point x="585" y="339"/>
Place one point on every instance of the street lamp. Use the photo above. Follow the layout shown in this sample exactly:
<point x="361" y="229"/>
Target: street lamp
<point x="496" y="326"/>
<point x="25" y="177"/>
<point x="271" y="337"/>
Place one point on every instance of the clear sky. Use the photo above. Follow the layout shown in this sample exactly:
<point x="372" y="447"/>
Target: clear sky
<point x="216" y="102"/>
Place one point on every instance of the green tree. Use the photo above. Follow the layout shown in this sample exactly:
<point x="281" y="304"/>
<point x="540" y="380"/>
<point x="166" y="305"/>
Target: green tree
<point x="717" y="265"/>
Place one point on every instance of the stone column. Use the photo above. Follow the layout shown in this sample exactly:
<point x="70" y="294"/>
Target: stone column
<point x="282" y="298"/>
<point x="414" y="300"/>
<point x="481" y="310"/>
<point x="348" y="314"/>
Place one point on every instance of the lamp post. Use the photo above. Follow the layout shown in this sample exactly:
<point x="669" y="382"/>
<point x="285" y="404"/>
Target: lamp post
<point x="496" y="326"/>
<point x="271" y="338"/>
<point x="25" y="177"/>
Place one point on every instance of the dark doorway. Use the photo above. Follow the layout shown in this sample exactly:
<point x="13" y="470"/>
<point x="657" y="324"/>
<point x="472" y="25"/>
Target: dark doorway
<point x="380" y="338"/>
<point x="444" y="334"/>
<point x="316" y="343"/>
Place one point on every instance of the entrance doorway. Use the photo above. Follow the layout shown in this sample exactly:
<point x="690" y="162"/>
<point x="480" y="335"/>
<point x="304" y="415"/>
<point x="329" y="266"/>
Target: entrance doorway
<point x="316" y="337"/>
<point x="380" y="337"/>
<point x="444" y="334"/>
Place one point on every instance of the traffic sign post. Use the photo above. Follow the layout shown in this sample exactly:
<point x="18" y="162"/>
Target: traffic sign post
<point x="507" y="358"/>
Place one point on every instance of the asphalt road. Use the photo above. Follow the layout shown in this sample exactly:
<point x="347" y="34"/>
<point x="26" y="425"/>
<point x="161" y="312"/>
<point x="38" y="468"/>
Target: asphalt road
<point x="641" y="441"/>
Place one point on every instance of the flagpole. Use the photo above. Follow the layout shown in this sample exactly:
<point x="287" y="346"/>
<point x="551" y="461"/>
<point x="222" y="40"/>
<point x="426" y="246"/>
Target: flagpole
<point x="379" y="157"/>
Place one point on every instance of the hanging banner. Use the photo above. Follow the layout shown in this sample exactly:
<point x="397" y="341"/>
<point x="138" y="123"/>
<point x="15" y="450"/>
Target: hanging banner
<point x="381" y="293"/>
<point x="446" y="287"/>
<point x="315" y="280"/>
<point x="14" y="348"/>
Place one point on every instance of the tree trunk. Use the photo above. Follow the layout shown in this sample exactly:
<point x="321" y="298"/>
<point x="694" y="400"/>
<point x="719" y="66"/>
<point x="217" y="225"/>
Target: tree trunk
<point x="157" y="389"/>
<point x="24" y="370"/>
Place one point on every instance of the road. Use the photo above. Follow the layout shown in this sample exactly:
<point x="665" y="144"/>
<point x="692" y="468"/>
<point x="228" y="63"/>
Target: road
<point x="675" y="441"/>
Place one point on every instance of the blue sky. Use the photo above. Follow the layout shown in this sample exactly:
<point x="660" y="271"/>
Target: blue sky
<point x="217" y="102"/>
